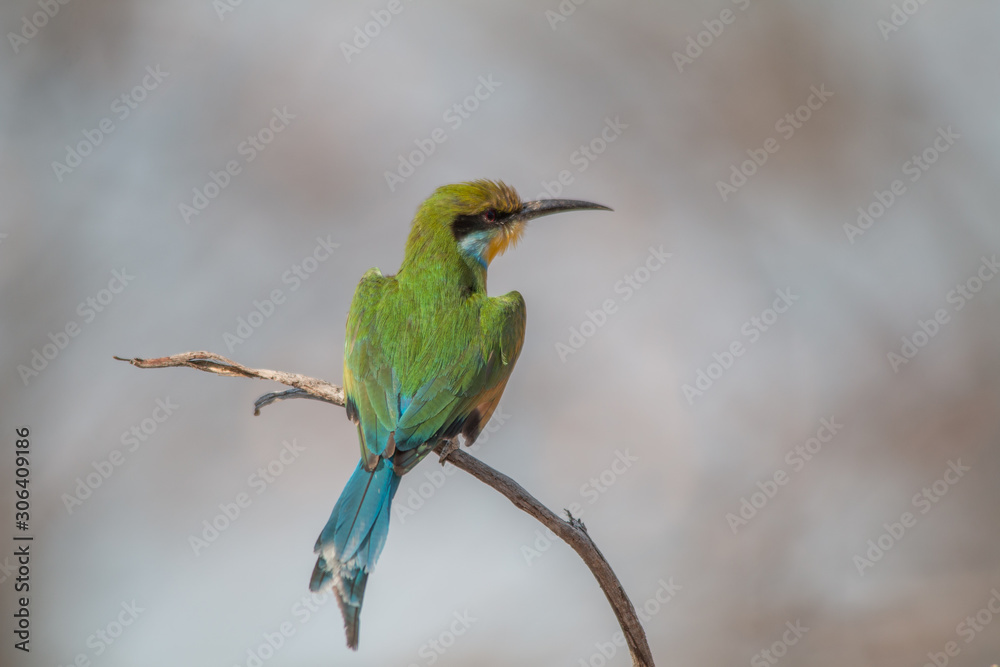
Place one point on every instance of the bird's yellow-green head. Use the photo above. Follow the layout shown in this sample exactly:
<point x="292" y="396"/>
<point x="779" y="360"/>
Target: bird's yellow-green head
<point x="479" y="219"/>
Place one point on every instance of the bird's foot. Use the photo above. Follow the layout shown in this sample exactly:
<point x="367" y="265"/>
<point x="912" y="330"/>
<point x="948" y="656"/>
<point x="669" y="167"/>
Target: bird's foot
<point x="445" y="450"/>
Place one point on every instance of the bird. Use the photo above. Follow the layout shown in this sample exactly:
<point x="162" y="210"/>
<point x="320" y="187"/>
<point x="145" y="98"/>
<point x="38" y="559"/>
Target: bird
<point x="427" y="355"/>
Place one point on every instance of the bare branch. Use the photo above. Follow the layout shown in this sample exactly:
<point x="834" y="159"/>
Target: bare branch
<point x="276" y="396"/>
<point x="215" y="363"/>
<point x="571" y="531"/>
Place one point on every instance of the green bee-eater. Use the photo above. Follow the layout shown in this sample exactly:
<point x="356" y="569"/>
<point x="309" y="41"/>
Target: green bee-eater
<point x="427" y="356"/>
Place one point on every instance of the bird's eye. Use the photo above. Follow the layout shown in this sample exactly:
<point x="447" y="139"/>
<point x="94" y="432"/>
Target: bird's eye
<point x="490" y="215"/>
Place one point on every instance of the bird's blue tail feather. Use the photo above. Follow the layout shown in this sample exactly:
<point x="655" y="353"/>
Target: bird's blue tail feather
<point x="353" y="539"/>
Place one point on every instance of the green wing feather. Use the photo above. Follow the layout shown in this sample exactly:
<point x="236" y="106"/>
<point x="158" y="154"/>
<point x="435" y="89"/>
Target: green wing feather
<point x="419" y="370"/>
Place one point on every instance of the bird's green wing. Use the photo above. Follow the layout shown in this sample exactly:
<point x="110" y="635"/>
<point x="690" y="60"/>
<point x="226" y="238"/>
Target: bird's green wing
<point x="369" y="381"/>
<point x="463" y="388"/>
<point x="409" y="386"/>
<point x="503" y="319"/>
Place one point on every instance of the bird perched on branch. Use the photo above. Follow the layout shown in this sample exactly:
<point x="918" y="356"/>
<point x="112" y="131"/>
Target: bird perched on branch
<point x="427" y="356"/>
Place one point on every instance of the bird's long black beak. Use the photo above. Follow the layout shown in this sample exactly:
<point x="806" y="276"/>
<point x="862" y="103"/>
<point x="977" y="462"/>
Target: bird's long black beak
<point x="536" y="209"/>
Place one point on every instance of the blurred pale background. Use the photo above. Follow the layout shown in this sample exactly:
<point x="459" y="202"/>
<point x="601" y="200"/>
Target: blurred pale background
<point x="554" y="87"/>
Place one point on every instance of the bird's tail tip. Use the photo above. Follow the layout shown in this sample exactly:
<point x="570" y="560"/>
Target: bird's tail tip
<point x="352" y="623"/>
<point x="348" y="587"/>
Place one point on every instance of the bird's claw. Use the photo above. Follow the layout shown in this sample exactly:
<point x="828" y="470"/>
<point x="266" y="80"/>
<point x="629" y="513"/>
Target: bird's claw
<point x="446" y="449"/>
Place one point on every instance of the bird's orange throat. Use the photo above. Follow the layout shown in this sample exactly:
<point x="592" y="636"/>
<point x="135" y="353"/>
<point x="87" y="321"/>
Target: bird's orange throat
<point x="506" y="238"/>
